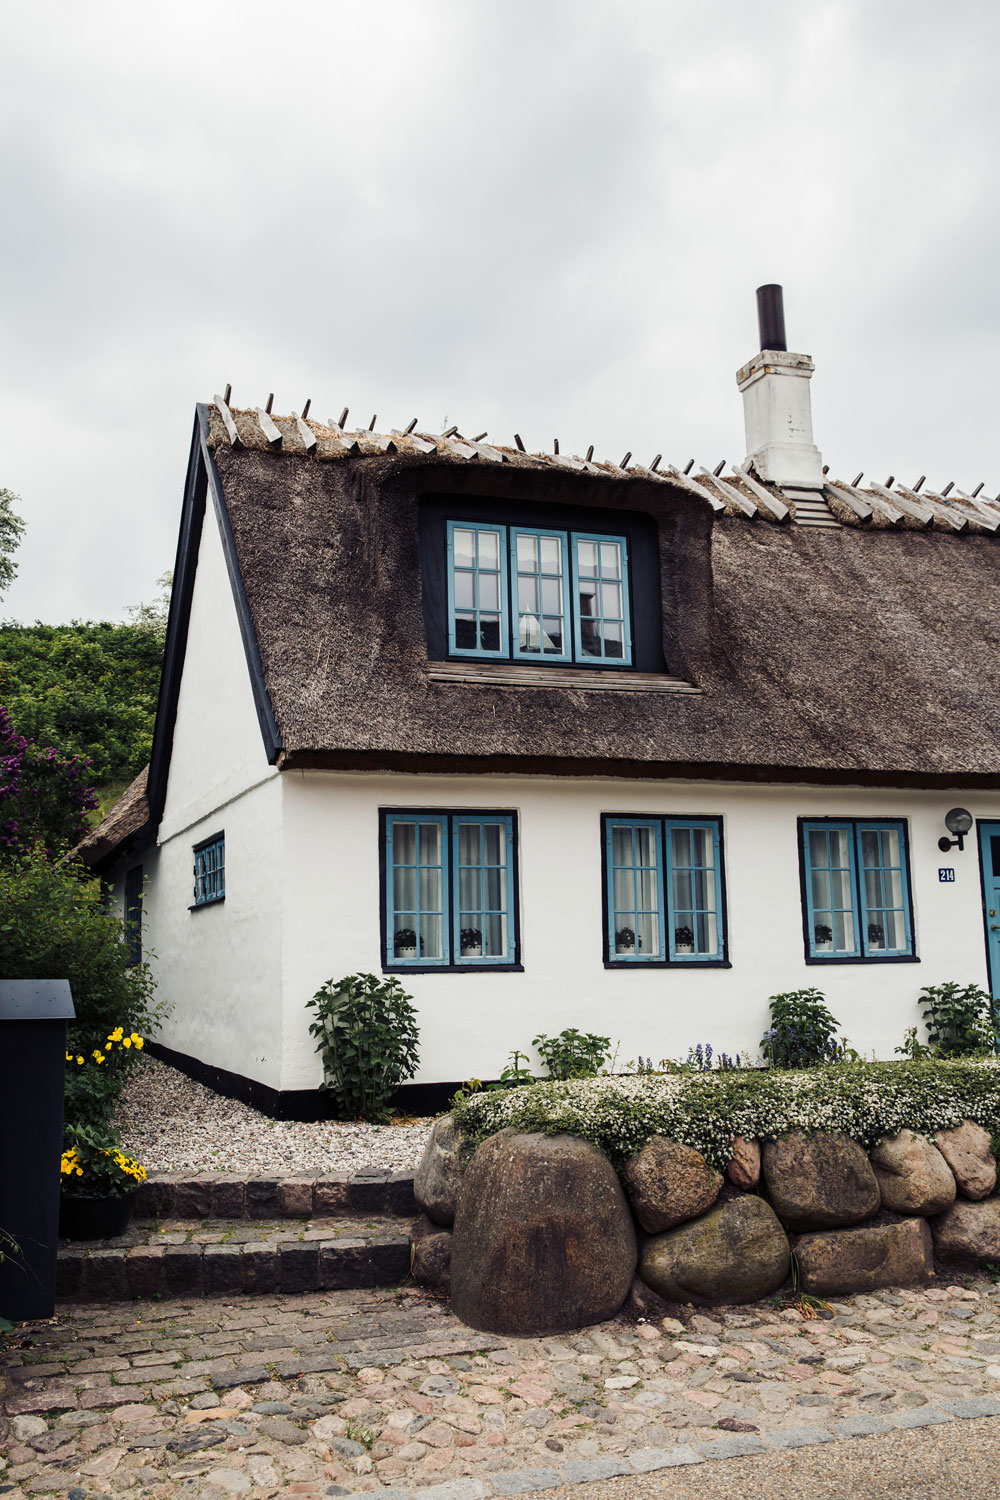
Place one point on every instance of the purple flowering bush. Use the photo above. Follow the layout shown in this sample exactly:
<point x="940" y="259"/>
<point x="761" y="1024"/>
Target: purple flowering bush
<point x="45" y="797"/>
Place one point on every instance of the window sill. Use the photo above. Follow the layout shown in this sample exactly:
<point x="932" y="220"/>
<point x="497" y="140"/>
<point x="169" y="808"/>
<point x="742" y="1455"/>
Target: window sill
<point x="201" y="905"/>
<point x="890" y="958"/>
<point x="667" y="963"/>
<point x="452" y="968"/>
<point x="587" y="679"/>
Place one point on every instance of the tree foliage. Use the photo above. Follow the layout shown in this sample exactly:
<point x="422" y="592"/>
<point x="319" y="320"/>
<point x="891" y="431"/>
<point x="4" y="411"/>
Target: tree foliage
<point x="90" y="688"/>
<point x="11" y="527"/>
<point x="45" y="797"/>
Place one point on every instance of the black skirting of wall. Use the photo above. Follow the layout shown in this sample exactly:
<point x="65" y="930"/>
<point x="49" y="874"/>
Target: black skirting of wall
<point x="296" y="1104"/>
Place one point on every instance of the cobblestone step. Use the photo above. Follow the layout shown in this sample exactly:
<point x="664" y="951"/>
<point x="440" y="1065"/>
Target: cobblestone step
<point x="218" y="1259"/>
<point x="233" y="1195"/>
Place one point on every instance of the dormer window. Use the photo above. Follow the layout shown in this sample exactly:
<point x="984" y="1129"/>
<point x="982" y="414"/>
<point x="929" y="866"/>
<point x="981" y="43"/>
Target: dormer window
<point x="529" y="594"/>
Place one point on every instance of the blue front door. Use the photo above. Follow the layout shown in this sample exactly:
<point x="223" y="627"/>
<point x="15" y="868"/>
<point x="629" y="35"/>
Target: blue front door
<point x="989" y="854"/>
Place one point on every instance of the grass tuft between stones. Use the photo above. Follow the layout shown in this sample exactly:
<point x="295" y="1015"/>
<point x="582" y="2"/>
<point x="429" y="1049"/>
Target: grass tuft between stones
<point x="863" y="1100"/>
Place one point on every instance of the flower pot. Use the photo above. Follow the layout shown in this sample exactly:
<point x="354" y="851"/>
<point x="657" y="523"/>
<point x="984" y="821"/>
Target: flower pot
<point x="83" y="1216"/>
<point x="475" y="950"/>
<point x="625" y="950"/>
<point x="682" y="948"/>
<point x="825" y="947"/>
<point x="406" y="952"/>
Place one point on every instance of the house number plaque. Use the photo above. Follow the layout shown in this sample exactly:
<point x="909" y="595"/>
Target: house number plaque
<point x="947" y="875"/>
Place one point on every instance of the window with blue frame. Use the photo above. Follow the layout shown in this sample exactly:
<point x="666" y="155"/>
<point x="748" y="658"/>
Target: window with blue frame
<point x="210" y="871"/>
<point x="449" y="890"/>
<point x="133" y="914"/>
<point x="855" y="876"/>
<point x="664" y="890"/>
<point x="536" y="595"/>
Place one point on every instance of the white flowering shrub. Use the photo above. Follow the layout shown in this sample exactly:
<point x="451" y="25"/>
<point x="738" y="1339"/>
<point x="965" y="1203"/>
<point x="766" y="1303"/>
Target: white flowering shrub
<point x="864" y="1100"/>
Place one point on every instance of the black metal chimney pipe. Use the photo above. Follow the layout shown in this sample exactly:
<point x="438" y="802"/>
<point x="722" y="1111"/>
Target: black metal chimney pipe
<point x="771" y="317"/>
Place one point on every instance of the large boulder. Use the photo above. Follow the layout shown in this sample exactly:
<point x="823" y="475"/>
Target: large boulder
<point x="819" y="1181"/>
<point x="743" y="1170"/>
<point x="735" y="1253"/>
<point x="913" y="1176"/>
<point x="435" y="1185"/>
<point x="966" y="1149"/>
<point x="971" y="1229"/>
<point x="544" y="1240"/>
<point x="668" y="1183"/>
<point x="842" y="1261"/>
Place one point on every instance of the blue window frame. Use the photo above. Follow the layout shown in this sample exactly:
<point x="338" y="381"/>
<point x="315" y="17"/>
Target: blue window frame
<point x="540" y="584"/>
<point x="856" y="887"/>
<point x="664" y="891"/>
<point x="133" y="914"/>
<point x="449" y="890"/>
<point x="601" y="629"/>
<point x="477" y="590"/>
<point x="210" y="871"/>
<point x="538" y="595"/>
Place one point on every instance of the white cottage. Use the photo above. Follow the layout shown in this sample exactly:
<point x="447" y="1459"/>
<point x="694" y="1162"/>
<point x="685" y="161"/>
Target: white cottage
<point x="560" y="743"/>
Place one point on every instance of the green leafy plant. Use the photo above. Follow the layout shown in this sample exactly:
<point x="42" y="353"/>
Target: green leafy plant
<point x="469" y="1087"/>
<point x="573" y="1054"/>
<point x="802" y="1033"/>
<point x="366" y="1032"/>
<point x="959" y="1019"/>
<point x="515" y="1075"/>
<point x="913" y="1047"/>
<point x="94" y="1164"/>
<point x="364" y="1435"/>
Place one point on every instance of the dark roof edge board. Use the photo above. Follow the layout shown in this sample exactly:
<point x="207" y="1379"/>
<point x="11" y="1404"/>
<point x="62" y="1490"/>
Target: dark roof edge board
<point x="202" y="477"/>
<point x="649" y="770"/>
<point x="270" y="733"/>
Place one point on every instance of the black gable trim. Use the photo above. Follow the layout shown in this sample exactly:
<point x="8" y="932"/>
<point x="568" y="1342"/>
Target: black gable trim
<point x="202" y="476"/>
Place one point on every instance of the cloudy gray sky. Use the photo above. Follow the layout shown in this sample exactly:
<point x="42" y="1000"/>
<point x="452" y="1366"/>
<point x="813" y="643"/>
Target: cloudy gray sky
<point x="546" y="216"/>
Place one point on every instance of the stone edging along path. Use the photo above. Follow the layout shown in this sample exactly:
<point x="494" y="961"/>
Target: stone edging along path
<point x="371" y="1192"/>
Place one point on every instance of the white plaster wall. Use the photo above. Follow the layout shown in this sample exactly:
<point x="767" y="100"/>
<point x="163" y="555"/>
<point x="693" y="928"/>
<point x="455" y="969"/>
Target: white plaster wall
<point x="470" y="1022"/>
<point x="218" y="967"/>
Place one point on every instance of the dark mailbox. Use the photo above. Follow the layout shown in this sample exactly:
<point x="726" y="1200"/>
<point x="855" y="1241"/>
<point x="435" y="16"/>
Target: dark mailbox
<point x="33" y="1017"/>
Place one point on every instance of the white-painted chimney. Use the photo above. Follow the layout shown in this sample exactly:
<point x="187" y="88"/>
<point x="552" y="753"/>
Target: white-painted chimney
<point x="776" y="408"/>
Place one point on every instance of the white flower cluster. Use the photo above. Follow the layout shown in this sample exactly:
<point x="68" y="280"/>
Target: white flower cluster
<point x="864" y="1100"/>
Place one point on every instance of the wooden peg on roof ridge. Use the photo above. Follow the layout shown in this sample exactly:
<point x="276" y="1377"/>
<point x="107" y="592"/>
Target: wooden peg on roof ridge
<point x="947" y="489"/>
<point x="719" y="468"/>
<point x="371" y="424"/>
<point x="555" y="445"/>
<point x="916" y="487"/>
<point x="227" y="396"/>
<point x="520" y="444"/>
<point x="408" y="430"/>
<point x="343" y="418"/>
<point x="975" y="492"/>
<point x="590" y="453"/>
<point x="451" y="432"/>
<point x="269" y="403"/>
<point x="656" y="463"/>
<point x="305" y="409"/>
<point x="480" y="435"/>
<point x="890" y="481"/>
<point x="857" y="479"/>
<point x="625" y="461"/>
<point x="689" y="466"/>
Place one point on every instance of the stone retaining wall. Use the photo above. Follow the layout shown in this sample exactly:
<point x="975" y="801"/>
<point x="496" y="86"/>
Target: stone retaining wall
<point x="537" y="1234"/>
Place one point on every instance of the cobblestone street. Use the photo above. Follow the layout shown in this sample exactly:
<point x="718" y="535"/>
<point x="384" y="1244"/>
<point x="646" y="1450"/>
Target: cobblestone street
<point x="342" y="1392"/>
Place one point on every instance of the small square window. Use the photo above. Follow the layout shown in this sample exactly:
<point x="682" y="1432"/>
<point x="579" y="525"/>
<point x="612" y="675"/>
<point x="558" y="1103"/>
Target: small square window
<point x="133" y="914"/>
<point x="210" y="871"/>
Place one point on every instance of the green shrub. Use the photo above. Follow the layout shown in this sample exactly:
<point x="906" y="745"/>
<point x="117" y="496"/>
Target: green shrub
<point x="367" y="1035"/>
<point x="802" y="1033"/>
<point x="959" y="1019"/>
<point x="864" y="1100"/>
<point x="573" y="1054"/>
<point x="53" y="926"/>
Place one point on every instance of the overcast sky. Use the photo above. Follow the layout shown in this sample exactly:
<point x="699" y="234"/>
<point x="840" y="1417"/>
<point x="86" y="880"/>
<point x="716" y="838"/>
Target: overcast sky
<point x="541" y="215"/>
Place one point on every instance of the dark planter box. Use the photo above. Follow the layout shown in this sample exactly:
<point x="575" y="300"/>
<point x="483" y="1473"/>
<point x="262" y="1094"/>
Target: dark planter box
<point x="83" y="1216"/>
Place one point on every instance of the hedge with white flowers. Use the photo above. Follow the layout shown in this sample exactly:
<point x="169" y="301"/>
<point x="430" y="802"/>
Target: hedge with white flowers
<point x="864" y="1100"/>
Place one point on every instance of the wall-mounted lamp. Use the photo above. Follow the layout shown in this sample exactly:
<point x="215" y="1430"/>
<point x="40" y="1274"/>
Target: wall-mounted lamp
<point x="958" y="822"/>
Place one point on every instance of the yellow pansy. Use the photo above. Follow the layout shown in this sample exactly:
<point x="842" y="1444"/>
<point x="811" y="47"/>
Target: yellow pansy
<point x="127" y="1042"/>
<point x="80" y="1061"/>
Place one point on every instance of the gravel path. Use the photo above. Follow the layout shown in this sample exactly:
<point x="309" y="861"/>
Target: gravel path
<point x="170" y="1123"/>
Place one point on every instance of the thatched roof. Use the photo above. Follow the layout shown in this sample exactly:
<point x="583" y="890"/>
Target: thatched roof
<point x="126" y="819"/>
<point x="861" y="652"/>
